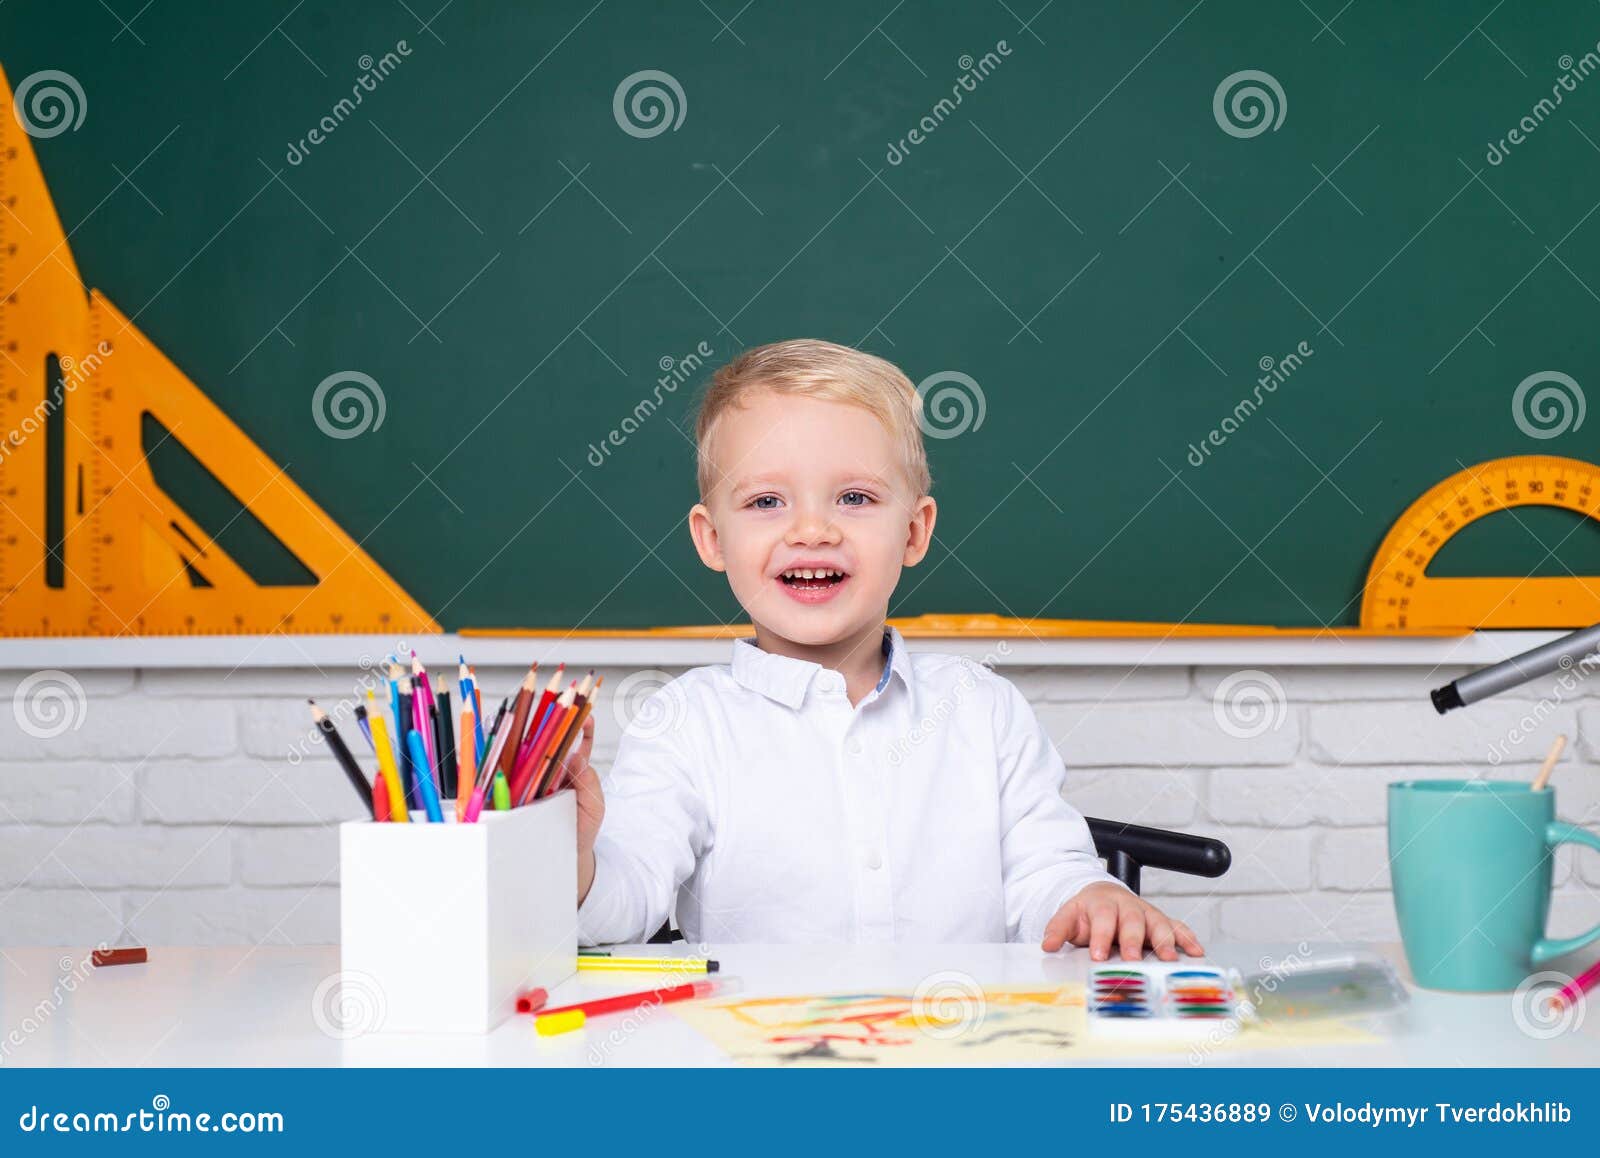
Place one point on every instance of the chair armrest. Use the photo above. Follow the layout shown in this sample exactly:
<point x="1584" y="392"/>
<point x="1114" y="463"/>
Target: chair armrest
<point x="1127" y="848"/>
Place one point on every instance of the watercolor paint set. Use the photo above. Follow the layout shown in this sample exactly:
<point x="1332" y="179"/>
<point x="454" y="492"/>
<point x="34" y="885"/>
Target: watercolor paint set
<point x="1161" y="999"/>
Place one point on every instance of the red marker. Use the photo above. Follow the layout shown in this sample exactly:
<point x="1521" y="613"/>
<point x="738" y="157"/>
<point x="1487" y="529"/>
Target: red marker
<point x="569" y="1017"/>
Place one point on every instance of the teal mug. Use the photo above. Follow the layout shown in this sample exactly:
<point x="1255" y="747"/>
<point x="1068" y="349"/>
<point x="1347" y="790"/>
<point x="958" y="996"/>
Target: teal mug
<point x="1470" y="861"/>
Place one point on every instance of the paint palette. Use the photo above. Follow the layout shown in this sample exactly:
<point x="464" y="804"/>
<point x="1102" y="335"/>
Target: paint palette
<point x="1160" y="999"/>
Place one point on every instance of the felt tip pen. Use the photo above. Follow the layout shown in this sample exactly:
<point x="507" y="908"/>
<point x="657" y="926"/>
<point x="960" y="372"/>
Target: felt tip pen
<point x="565" y="1018"/>
<point x="609" y="964"/>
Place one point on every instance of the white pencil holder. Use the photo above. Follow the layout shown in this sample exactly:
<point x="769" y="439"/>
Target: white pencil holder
<point x="442" y="925"/>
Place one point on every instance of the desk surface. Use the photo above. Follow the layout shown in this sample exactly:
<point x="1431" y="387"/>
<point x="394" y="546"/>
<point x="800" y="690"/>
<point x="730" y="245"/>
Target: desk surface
<point x="247" y="1007"/>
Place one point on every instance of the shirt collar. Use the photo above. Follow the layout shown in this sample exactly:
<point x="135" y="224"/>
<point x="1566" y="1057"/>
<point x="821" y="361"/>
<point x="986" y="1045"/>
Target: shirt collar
<point x="786" y="680"/>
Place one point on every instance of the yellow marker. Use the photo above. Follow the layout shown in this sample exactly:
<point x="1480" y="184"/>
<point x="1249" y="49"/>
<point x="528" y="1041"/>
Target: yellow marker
<point x="391" y="774"/>
<point x="549" y="1024"/>
<point x="646" y="965"/>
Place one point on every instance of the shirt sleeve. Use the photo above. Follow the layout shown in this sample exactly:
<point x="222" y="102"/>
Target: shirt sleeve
<point x="655" y="828"/>
<point x="1046" y="852"/>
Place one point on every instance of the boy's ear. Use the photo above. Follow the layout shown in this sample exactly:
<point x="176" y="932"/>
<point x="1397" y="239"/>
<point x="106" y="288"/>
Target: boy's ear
<point x="923" y="516"/>
<point x="704" y="534"/>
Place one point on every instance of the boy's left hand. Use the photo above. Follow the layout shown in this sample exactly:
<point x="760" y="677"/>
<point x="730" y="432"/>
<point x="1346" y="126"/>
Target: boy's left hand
<point x="1103" y="912"/>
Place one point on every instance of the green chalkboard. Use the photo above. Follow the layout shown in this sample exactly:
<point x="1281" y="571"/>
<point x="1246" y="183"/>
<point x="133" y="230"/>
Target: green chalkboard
<point x="1095" y="236"/>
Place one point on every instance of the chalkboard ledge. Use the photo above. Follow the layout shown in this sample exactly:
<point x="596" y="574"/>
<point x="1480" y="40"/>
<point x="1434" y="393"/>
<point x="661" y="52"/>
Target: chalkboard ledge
<point x="665" y="651"/>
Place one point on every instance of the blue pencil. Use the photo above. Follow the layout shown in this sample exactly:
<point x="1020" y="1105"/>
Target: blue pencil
<point x="419" y="758"/>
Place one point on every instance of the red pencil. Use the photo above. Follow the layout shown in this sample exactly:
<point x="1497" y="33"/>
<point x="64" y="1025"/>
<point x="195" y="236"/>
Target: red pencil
<point x="537" y="717"/>
<point x="528" y="764"/>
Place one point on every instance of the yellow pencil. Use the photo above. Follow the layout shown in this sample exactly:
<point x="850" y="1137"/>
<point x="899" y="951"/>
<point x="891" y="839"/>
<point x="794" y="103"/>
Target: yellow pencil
<point x="391" y="774"/>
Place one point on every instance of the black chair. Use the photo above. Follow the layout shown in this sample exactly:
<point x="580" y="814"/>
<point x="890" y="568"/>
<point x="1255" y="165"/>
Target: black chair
<point x="1127" y="849"/>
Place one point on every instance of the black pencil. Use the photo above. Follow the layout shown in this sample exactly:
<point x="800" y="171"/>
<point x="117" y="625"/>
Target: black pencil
<point x="358" y="779"/>
<point x="447" y="743"/>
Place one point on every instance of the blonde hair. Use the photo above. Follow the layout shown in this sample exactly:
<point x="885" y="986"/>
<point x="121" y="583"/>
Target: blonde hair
<point x="812" y="368"/>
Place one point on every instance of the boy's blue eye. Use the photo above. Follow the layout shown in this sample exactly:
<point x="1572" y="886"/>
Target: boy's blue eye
<point x="764" y="502"/>
<point x="855" y="498"/>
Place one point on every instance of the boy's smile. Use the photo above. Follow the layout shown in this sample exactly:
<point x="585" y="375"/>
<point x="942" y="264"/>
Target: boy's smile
<point x="812" y="516"/>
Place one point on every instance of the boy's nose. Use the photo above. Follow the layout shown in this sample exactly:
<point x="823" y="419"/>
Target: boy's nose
<point x="812" y="526"/>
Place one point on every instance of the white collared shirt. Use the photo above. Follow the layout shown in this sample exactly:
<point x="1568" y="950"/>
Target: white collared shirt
<point x="773" y="811"/>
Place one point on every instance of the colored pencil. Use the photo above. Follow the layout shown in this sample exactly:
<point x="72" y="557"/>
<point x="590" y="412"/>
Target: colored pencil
<point x="430" y="798"/>
<point x="519" y="715"/>
<point x="476" y="691"/>
<point x="542" y="765"/>
<point x="466" y="773"/>
<point x="366" y="729"/>
<point x="540" y="713"/>
<point x="556" y="771"/>
<point x="352" y="770"/>
<point x="1577" y="987"/>
<point x="484" y="788"/>
<point x="421" y="687"/>
<point x="467" y="685"/>
<point x="494" y="729"/>
<point x="446" y="726"/>
<point x="386" y="765"/>
<point x="528" y="765"/>
<point x="406" y="721"/>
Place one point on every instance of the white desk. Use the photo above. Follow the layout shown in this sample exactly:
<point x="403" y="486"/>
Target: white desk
<point x="243" y="1007"/>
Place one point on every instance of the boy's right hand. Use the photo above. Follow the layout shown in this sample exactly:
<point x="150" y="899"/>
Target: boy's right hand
<point x="585" y="782"/>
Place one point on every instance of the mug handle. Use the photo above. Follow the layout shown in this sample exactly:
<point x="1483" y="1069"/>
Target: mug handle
<point x="1555" y="833"/>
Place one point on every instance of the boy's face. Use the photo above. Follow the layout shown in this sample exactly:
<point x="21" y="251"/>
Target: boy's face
<point x="803" y="484"/>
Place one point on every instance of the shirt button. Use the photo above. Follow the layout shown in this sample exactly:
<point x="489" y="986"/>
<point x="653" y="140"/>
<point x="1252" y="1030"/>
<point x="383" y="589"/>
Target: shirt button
<point x="874" y="862"/>
<point x="855" y="747"/>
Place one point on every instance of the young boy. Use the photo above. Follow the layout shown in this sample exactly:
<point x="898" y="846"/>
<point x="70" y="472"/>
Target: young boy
<point x="828" y="785"/>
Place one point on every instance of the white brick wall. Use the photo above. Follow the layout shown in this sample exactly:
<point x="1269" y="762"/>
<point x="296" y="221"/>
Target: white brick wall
<point x="172" y="814"/>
